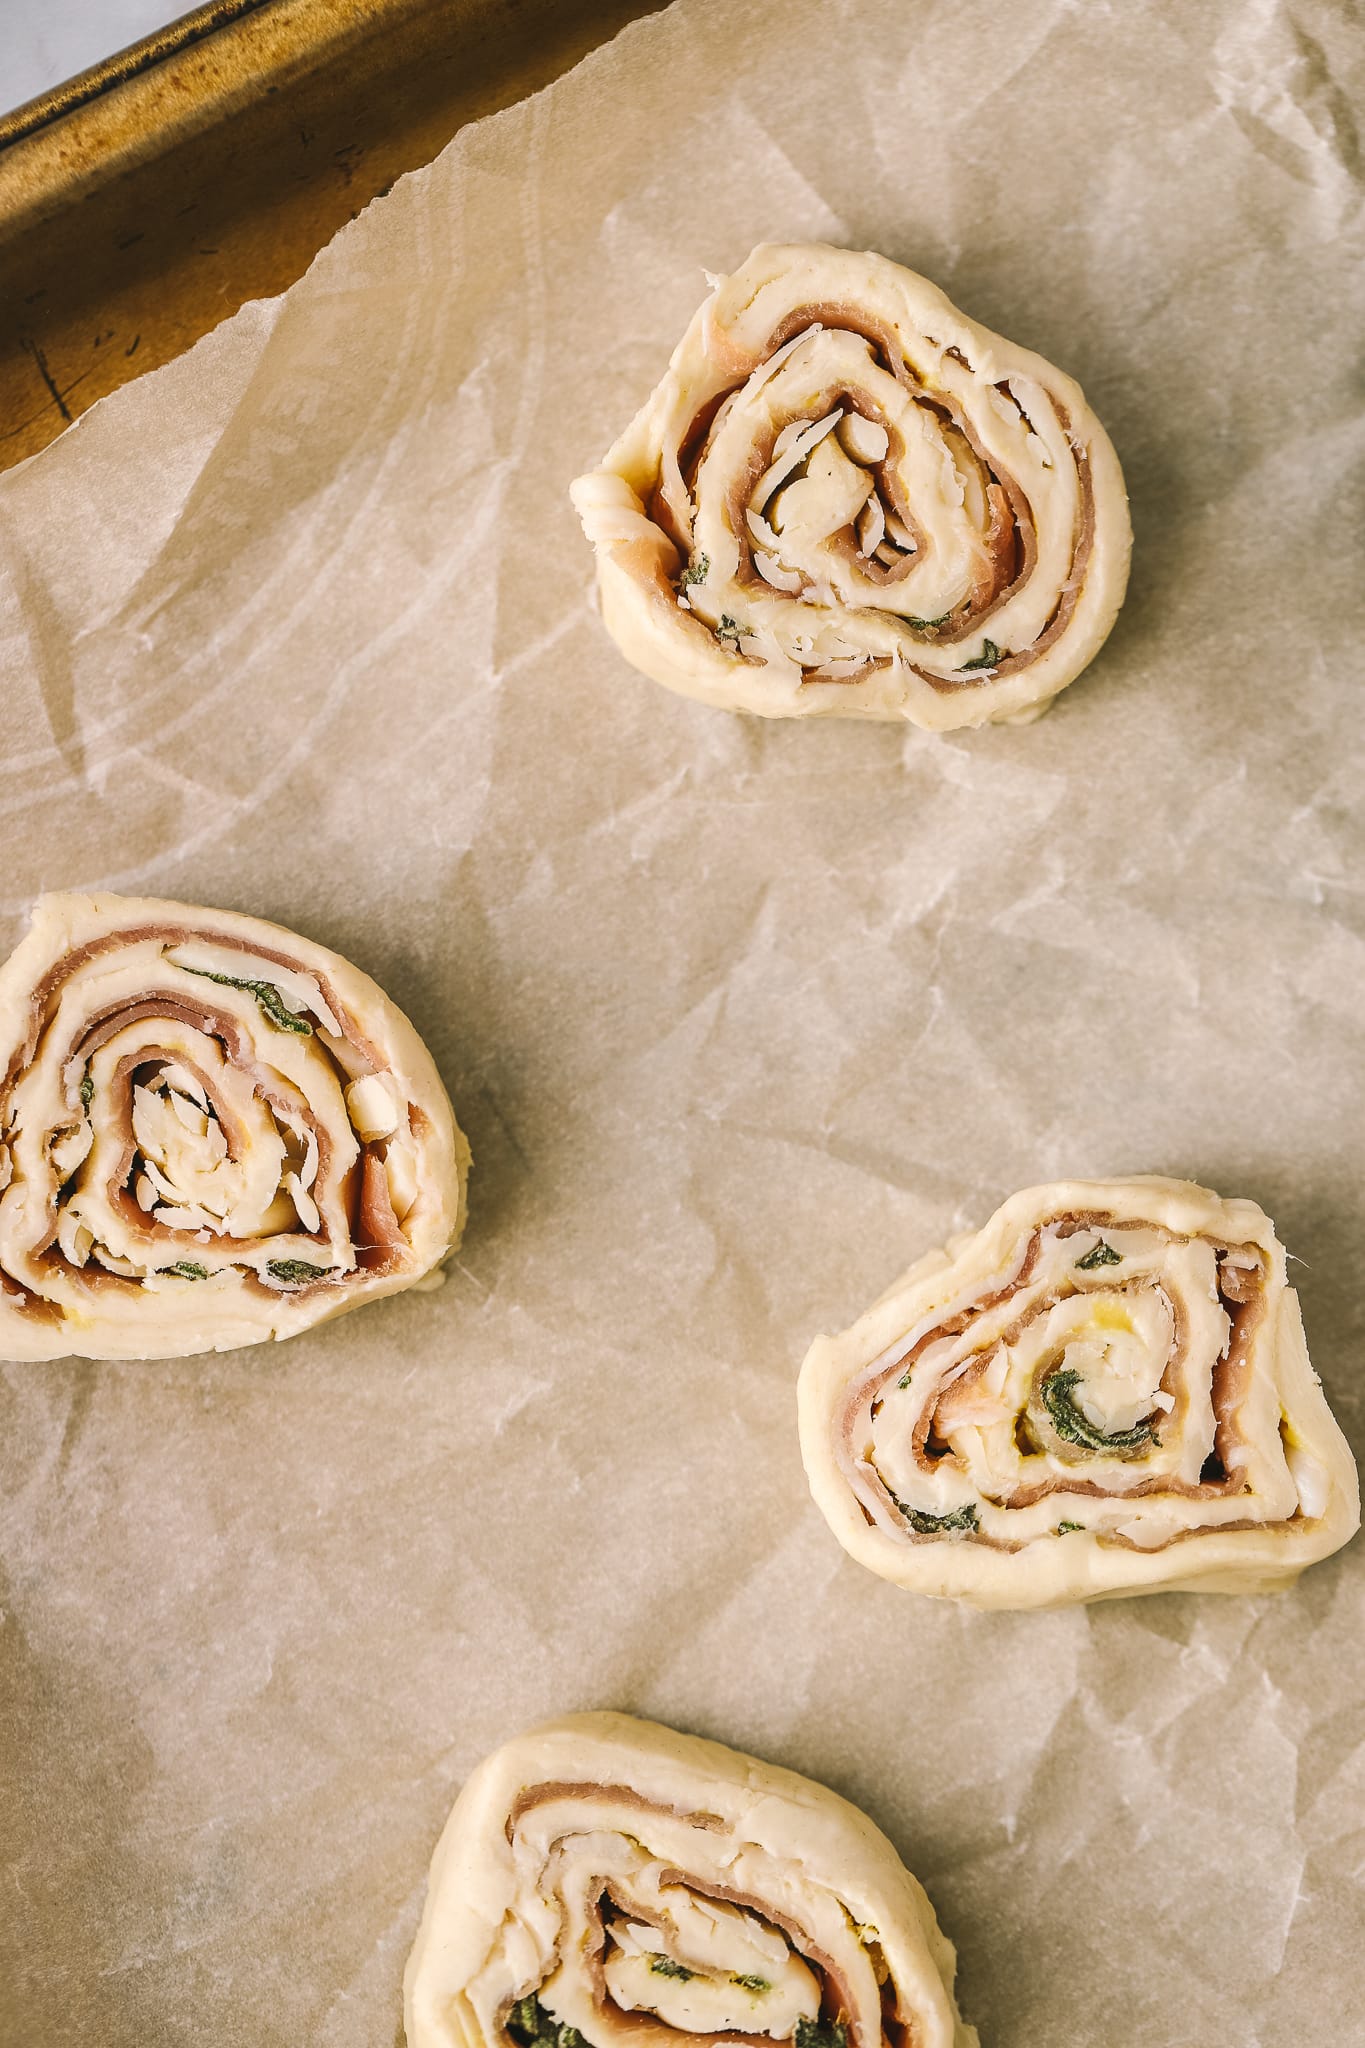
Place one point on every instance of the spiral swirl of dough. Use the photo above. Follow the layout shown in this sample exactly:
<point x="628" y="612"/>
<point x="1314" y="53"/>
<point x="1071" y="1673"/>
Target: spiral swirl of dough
<point x="606" y="1883"/>
<point x="211" y="1132"/>
<point x="1104" y="1391"/>
<point x="848" y="499"/>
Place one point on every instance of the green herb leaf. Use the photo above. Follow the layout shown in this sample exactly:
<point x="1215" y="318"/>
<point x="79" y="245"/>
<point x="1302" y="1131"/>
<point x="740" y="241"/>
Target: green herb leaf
<point x="267" y="995"/>
<point x="697" y="571"/>
<point x="87" y="1089"/>
<point x="928" y="625"/>
<point x="664" y="1966"/>
<point x="814" y="2034"/>
<point x="530" y="2023"/>
<point x="524" y="2020"/>
<point x="189" y="1269"/>
<point x="1075" y="1425"/>
<point x="1100" y="1254"/>
<point x="728" y="632"/>
<point x="1065" y="1528"/>
<point x="961" y="1519"/>
<point x="751" y="1983"/>
<point x="295" y="1271"/>
<point x="989" y="657"/>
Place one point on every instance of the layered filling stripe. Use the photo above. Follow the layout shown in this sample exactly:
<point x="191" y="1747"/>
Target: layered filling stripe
<point x="854" y="495"/>
<point x="191" y="1110"/>
<point x="640" y="1922"/>
<point x="1102" y="1381"/>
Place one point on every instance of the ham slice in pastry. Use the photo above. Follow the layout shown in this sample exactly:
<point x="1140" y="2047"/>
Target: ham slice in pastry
<point x="211" y="1132"/>
<point x="605" y="1883"/>
<point x="848" y="499"/>
<point x="1104" y="1391"/>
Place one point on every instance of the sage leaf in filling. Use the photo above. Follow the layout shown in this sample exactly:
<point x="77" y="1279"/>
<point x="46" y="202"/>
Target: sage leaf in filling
<point x="534" y="2027"/>
<point x="989" y="657"/>
<point x="267" y="995"/>
<point x="818" y="2034"/>
<point x="1074" y="1425"/>
<point x="964" y="1521"/>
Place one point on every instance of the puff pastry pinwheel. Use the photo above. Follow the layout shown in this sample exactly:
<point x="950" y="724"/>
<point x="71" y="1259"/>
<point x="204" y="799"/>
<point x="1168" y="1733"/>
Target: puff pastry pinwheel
<point x="605" y="1883"/>
<point x="848" y="499"/>
<point x="1104" y="1391"/>
<point x="211" y="1132"/>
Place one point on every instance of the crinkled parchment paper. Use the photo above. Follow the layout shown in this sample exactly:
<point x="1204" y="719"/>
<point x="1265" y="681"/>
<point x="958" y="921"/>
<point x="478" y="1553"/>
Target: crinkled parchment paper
<point x="739" y="1019"/>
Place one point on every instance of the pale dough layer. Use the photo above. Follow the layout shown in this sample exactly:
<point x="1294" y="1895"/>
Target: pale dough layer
<point x="212" y="1131"/>
<point x="740" y="1897"/>
<point x="1104" y="1391"/>
<point x="847" y="499"/>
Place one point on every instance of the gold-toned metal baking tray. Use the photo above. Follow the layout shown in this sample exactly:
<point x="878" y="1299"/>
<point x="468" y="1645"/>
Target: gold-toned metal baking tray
<point x="143" y="202"/>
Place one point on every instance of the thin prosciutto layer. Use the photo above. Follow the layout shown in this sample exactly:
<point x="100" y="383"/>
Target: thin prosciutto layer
<point x="606" y="1883"/>
<point x="846" y="498"/>
<point x="211" y="1131"/>
<point x="1104" y="1390"/>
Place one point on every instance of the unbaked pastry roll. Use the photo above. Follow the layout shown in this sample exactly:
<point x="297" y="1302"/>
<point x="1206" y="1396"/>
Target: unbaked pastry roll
<point x="211" y="1132"/>
<point x="848" y="499"/>
<point x="605" y="1883"/>
<point x="1104" y="1391"/>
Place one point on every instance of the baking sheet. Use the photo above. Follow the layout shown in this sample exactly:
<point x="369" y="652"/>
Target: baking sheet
<point x="148" y="199"/>
<point x="739" y="1019"/>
